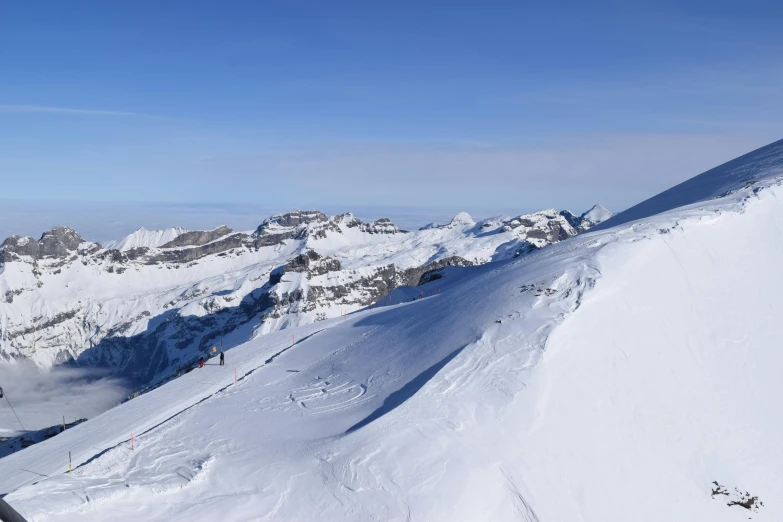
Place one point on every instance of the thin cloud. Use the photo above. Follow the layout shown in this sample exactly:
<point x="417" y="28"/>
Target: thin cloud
<point x="67" y="110"/>
<point x="41" y="397"/>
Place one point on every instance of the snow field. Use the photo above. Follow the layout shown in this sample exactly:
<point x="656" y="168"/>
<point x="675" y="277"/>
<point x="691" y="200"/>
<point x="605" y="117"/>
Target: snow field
<point x="608" y="378"/>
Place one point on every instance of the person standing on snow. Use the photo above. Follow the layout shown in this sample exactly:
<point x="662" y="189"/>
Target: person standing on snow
<point x="201" y="362"/>
<point x="222" y="358"/>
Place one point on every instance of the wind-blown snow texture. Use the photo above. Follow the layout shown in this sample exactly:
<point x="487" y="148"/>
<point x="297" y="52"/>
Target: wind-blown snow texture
<point x="631" y="373"/>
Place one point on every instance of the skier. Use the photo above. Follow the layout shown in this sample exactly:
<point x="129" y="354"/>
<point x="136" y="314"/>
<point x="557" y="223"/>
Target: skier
<point x="222" y="358"/>
<point x="201" y="362"/>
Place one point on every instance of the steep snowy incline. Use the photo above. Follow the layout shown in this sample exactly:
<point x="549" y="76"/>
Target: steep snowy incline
<point x="741" y="172"/>
<point x="667" y="380"/>
<point x="628" y="374"/>
<point x="327" y="388"/>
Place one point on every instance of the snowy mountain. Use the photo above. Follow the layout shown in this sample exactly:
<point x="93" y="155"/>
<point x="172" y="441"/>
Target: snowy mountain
<point x="144" y="238"/>
<point x="148" y="305"/>
<point x="630" y="373"/>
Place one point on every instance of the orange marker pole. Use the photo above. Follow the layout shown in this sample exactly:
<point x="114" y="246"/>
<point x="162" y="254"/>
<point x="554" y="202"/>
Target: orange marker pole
<point x="132" y="442"/>
<point x="235" y="375"/>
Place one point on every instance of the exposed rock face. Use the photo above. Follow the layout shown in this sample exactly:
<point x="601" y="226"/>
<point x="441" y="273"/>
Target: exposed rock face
<point x="297" y="217"/>
<point x="539" y="229"/>
<point x="419" y="275"/>
<point x="588" y="220"/>
<point x="280" y="227"/>
<point x="198" y="237"/>
<point x="58" y="242"/>
<point x="310" y="263"/>
<point x="315" y="225"/>
<point x="186" y="255"/>
<point x="381" y="226"/>
<point x="290" y="221"/>
<point x="16" y="246"/>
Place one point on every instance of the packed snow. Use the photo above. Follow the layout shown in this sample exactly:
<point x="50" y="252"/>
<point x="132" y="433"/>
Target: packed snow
<point x="625" y="374"/>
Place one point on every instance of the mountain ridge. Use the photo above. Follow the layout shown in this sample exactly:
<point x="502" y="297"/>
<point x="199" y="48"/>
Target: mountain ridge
<point x="152" y="301"/>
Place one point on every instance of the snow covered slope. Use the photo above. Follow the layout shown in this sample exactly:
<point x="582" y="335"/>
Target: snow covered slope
<point x="741" y="172"/>
<point x="625" y="374"/>
<point x="153" y="302"/>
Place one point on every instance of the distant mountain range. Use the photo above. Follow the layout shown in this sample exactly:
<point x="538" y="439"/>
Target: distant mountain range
<point x="148" y="304"/>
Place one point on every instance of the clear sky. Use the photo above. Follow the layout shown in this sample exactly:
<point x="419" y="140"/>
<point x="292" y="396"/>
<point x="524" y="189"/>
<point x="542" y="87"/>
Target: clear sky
<point x="292" y="104"/>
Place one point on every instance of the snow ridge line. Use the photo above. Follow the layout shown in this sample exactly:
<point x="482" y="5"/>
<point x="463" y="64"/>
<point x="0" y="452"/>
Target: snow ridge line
<point x="161" y="423"/>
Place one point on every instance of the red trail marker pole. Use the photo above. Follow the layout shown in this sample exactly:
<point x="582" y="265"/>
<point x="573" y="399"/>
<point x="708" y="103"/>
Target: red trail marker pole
<point x="132" y="442"/>
<point x="235" y="375"/>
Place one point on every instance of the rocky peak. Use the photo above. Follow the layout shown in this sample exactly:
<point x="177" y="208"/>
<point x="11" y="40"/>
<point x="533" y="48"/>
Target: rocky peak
<point x="289" y="220"/>
<point x="59" y="242"/>
<point x="588" y="220"/>
<point x="541" y="228"/>
<point x="593" y="217"/>
<point x="379" y="226"/>
<point x="461" y="219"/>
<point x="382" y="226"/>
<point x="56" y="243"/>
<point x="20" y="246"/>
<point x="571" y="218"/>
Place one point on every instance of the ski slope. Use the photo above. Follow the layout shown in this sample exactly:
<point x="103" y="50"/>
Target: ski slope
<point x="610" y="377"/>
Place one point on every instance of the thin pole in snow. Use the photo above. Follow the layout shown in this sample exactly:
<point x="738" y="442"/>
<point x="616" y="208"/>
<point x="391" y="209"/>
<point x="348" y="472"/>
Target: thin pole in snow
<point x="235" y="375"/>
<point x="70" y="464"/>
<point x="132" y="442"/>
<point x="13" y="410"/>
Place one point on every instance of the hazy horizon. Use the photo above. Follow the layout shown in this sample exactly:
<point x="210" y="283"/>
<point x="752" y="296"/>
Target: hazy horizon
<point x="107" y="221"/>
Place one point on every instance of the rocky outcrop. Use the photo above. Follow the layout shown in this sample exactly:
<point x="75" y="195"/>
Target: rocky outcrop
<point x="315" y="225"/>
<point x="57" y="243"/>
<point x="198" y="237"/>
<point x="382" y="226"/>
<point x="294" y="219"/>
<point x="289" y="221"/>
<point x="187" y="255"/>
<point x="419" y="275"/>
<point x="583" y="223"/>
<point x="276" y="229"/>
<point x="539" y="229"/>
<point x="356" y="292"/>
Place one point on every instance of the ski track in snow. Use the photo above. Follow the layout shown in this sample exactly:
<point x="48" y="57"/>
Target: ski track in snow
<point x="493" y="400"/>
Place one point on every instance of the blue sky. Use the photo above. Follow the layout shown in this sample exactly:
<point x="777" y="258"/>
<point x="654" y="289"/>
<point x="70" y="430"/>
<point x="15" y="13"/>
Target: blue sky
<point x="291" y="104"/>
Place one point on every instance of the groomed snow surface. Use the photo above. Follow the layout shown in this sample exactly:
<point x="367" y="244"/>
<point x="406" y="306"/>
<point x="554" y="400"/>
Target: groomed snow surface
<point x="611" y="377"/>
